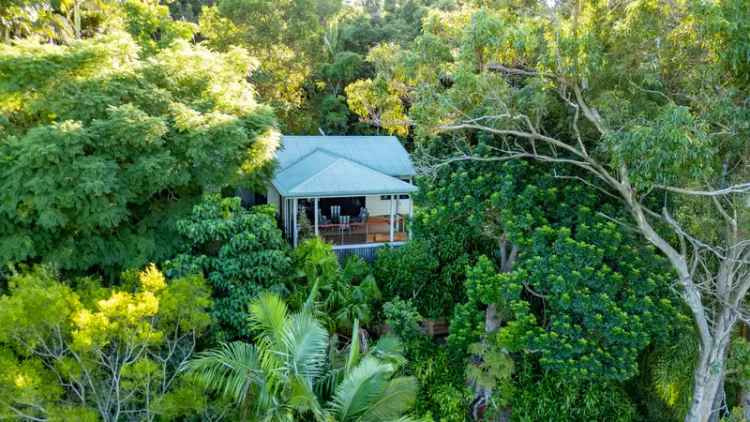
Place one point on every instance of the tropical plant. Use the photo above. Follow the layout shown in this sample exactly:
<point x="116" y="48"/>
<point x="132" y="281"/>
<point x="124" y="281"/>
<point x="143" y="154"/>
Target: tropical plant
<point x="411" y="272"/>
<point x="345" y="294"/>
<point x="403" y="319"/>
<point x="240" y="252"/>
<point x="293" y="371"/>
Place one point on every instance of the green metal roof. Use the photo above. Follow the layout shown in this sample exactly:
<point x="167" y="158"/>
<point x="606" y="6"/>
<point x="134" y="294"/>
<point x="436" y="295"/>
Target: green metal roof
<point x="382" y="153"/>
<point x="323" y="173"/>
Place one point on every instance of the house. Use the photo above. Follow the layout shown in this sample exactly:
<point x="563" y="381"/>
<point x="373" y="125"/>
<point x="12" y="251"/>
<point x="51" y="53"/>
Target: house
<point x="353" y="191"/>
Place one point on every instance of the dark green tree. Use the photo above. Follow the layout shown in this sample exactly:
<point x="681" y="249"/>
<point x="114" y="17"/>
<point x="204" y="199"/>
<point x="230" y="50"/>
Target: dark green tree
<point x="241" y="253"/>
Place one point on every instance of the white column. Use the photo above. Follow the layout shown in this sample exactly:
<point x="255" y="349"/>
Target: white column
<point x="411" y="214"/>
<point x="391" y="225"/>
<point x="316" y="216"/>
<point x="398" y="216"/>
<point x="294" y="222"/>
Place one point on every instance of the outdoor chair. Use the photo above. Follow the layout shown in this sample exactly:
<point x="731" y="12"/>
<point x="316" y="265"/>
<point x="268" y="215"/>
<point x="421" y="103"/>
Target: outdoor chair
<point x="362" y="217"/>
<point x="322" y="219"/>
<point x="335" y="213"/>
<point x="345" y="223"/>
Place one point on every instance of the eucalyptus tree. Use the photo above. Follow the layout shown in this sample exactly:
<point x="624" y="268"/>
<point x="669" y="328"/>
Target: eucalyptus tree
<point x="102" y="150"/>
<point x="294" y="371"/>
<point x="645" y="99"/>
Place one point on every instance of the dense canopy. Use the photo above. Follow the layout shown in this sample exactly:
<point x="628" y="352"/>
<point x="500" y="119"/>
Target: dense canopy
<point x="578" y="248"/>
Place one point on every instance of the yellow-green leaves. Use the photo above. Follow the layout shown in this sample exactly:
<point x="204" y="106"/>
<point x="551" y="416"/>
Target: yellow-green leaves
<point x="101" y="148"/>
<point x="59" y="353"/>
<point x="378" y="103"/>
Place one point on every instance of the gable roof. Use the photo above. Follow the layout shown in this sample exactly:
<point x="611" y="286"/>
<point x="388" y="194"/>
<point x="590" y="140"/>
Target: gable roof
<point x="322" y="173"/>
<point x="382" y="153"/>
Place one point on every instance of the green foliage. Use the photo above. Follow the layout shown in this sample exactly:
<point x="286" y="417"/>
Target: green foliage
<point x="552" y="397"/>
<point x="240" y="252"/>
<point x="410" y="272"/>
<point x="151" y="25"/>
<point x="287" y="374"/>
<point x="101" y="151"/>
<point x="666" y="149"/>
<point x="346" y="295"/>
<point x="582" y="295"/>
<point x="663" y="388"/>
<point x="403" y="319"/>
<point x="443" y="394"/>
<point x="93" y="353"/>
<point x="286" y="36"/>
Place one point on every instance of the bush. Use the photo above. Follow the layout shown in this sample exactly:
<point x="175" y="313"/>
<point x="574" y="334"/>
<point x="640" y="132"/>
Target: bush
<point x="403" y="319"/>
<point x="240" y="252"/>
<point x="343" y="295"/>
<point x="443" y="395"/>
<point x="412" y="272"/>
<point x="551" y="397"/>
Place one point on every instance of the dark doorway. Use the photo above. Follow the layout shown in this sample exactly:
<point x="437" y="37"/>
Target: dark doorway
<point x="349" y="206"/>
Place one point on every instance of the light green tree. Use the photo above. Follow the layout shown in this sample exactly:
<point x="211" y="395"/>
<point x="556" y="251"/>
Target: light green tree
<point x="101" y="150"/>
<point x="92" y="353"/>
<point x="286" y="36"/>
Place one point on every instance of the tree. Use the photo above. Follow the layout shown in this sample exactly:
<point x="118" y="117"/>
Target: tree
<point x="67" y="20"/>
<point x="285" y="35"/>
<point x="650" y="114"/>
<point x="288" y="375"/>
<point x="240" y="252"/>
<point x="101" y="151"/>
<point x="90" y="353"/>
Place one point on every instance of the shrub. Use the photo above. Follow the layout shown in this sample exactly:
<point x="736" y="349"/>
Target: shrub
<point x="241" y="252"/>
<point x="412" y="272"/>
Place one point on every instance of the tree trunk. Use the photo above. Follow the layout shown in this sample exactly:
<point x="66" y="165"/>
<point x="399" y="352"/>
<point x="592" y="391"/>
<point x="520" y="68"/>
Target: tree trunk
<point x="745" y="402"/>
<point x="743" y="397"/>
<point x="492" y="323"/>
<point x="707" y="380"/>
<point x="77" y="18"/>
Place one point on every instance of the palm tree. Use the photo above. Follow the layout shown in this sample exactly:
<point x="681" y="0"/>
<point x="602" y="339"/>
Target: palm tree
<point x="294" y="371"/>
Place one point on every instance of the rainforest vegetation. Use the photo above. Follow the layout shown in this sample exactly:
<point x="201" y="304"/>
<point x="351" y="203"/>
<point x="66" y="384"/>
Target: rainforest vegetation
<point x="581" y="226"/>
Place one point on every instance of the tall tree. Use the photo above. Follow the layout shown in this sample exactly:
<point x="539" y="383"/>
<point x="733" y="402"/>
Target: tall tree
<point x="647" y="98"/>
<point x="101" y="151"/>
<point x="285" y="36"/>
<point x="240" y="252"/>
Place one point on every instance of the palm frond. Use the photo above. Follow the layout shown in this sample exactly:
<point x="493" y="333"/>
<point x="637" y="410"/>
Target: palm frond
<point x="354" y="348"/>
<point x="304" y="347"/>
<point x="309" y="305"/>
<point x="362" y="387"/>
<point x="302" y="398"/>
<point x="232" y="370"/>
<point x="268" y="315"/>
<point x="389" y="349"/>
<point x="398" y="398"/>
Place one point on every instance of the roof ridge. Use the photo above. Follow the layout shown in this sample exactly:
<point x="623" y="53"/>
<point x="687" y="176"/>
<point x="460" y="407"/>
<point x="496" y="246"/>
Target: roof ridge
<point x="317" y="172"/>
<point x="388" y="176"/>
<point x="335" y="154"/>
